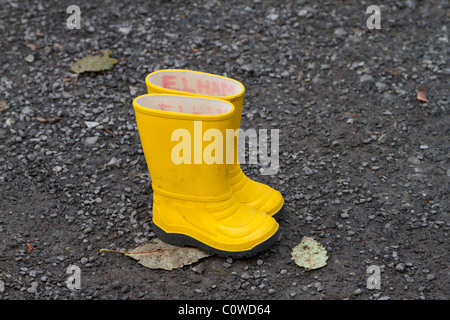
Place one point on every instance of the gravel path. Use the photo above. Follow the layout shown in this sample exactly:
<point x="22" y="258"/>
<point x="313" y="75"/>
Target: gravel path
<point x="364" y="165"/>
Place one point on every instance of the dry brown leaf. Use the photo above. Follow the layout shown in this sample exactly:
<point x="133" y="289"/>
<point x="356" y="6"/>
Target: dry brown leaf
<point x="157" y="254"/>
<point x="31" y="46"/>
<point x="167" y="257"/>
<point x="422" y="94"/>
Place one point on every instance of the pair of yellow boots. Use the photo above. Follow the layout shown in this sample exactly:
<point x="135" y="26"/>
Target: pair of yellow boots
<point x="201" y="197"/>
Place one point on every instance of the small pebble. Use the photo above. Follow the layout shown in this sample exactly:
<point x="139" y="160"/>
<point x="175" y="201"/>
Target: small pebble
<point x="29" y="58"/>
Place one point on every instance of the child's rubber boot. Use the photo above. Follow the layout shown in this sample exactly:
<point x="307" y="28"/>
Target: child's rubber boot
<point x="183" y="139"/>
<point x="200" y="84"/>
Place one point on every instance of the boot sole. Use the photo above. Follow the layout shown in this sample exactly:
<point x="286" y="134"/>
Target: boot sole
<point x="278" y="214"/>
<point x="182" y="240"/>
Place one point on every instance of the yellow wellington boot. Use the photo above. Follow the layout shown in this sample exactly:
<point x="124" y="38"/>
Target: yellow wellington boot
<point x="193" y="83"/>
<point x="184" y="143"/>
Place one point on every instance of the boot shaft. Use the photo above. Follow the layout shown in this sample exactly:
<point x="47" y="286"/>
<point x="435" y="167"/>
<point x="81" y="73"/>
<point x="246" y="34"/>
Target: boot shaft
<point x="184" y="143"/>
<point x="200" y="84"/>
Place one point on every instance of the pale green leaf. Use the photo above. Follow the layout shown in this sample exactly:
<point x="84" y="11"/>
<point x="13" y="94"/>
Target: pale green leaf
<point x="94" y="63"/>
<point x="309" y="254"/>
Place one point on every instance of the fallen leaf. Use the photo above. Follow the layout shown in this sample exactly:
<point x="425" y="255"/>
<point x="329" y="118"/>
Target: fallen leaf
<point x="168" y="257"/>
<point x="94" y="63"/>
<point x="3" y="105"/>
<point x="31" y="46"/>
<point x="382" y="138"/>
<point x="422" y="94"/>
<point x="309" y="254"/>
<point x="157" y="254"/>
<point x="30" y="248"/>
